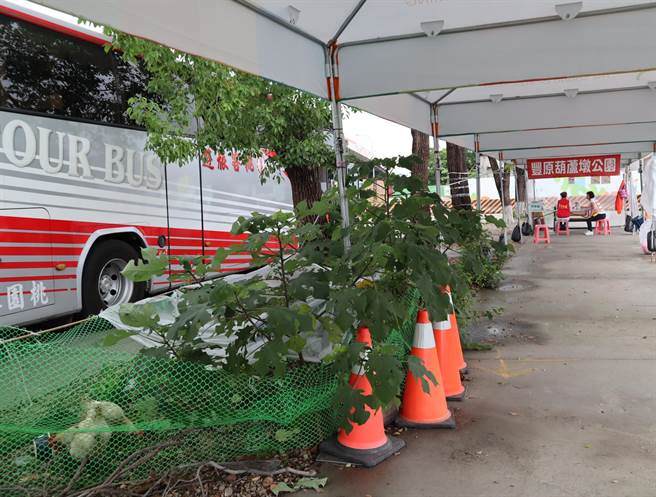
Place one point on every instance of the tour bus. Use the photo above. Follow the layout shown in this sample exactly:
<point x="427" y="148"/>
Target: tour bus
<point x="79" y="194"/>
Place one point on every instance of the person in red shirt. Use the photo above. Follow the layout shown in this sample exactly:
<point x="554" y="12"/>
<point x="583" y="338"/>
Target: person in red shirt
<point x="563" y="211"/>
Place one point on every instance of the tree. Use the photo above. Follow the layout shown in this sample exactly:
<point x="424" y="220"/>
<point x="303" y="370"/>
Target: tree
<point x="458" y="176"/>
<point x="502" y="182"/>
<point x="470" y="163"/>
<point x="420" y="150"/>
<point x="229" y="112"/>
<point x="521" y="184"/>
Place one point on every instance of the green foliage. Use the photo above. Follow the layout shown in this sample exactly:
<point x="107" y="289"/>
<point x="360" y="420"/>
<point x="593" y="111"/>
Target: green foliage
<point x="193" y="104"/>
<point x="401" y="236"/>
<point x="303" y="483"/>
<point x="150" y="264"/>
<point x="470" y="161"/>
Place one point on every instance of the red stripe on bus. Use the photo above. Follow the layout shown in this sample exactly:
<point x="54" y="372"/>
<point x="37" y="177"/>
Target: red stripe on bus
<point x="46" y="225"/>
<point x="42" y="278"/>
<point x="51" y="290"/>
<point x="55" y="251"/>
<point x="41" y="237"/>
<point x="36" y="264"/>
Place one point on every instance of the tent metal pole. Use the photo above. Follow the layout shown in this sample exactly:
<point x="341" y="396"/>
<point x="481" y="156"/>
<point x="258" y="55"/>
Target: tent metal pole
<point x="435" y="131"/>
<point x="477" y="149"/>
<point x="332" y="77"/>
<point x="502" y="174"/>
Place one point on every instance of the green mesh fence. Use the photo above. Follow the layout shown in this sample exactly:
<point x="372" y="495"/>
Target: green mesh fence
<point x="72" y="410"/>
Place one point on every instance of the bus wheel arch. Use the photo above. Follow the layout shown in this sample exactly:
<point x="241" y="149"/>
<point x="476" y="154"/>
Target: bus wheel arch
<point x="100" y="280"/>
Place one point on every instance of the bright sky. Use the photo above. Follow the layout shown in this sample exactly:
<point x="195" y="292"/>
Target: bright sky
<point x="377" y="137"/>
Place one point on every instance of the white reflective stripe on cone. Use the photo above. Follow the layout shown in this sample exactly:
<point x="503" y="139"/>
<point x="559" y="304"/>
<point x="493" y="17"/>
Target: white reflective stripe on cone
<point x="442" y="325"/>
<point x="424" y="338"/>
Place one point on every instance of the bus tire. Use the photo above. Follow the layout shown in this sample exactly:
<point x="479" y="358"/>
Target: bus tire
<point x="103" y="284"/>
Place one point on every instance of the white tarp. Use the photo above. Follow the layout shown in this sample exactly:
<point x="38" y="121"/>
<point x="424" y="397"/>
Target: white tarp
<point x="518" y="53"/>
<point x="316" y="348"/>
<point x="648" y="197"/>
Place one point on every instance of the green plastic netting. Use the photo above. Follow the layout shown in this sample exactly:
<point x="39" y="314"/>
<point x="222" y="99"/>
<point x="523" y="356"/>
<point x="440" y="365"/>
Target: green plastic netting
<point x="52" y="383"/>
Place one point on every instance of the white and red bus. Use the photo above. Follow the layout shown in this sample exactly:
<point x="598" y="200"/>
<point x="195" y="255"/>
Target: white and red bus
<point x="79" y="195"/>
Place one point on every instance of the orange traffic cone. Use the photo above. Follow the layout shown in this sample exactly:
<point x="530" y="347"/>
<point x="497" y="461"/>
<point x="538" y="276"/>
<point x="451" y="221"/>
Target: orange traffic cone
<point x="418" y="408"/>
<point x="449" y="360"/>
<point x="362" y="335"/>
<point x="365" y="444"/>
<point x="453" y="336"/>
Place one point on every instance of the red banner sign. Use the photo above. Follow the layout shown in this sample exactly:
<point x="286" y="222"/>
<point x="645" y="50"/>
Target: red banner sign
<point x="567" y="167"/>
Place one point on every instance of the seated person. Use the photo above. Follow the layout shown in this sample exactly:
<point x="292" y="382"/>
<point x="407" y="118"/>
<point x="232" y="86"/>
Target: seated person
<point x="595" y="212"/>
<point x="563" y="211"/>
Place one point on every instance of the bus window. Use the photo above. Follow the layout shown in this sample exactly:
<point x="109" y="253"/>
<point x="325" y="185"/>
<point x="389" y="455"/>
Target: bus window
<point x="47" y="72"/>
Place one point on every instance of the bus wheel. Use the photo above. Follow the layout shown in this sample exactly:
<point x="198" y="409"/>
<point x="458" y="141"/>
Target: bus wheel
<point x="103" y="285"/>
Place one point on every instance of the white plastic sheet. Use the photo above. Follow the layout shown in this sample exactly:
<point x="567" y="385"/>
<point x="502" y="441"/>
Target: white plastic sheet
<point x="648" y="198"/>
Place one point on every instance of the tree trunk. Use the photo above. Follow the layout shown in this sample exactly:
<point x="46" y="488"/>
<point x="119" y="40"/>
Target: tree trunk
<point x="306" y="183"/>
<point x="497" y="181"/>
<point x="420" y="149"/>
<point x="521" y="184"/>
<point x="458" y="176"/>
<point x="503" y="183"/>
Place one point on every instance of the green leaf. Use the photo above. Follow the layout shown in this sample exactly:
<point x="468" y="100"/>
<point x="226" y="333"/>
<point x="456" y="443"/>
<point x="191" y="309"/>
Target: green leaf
<point x="139" y="315"/>
<point x="296" y="343"/>
<point x="311" y="483"/>
<point x="151" y="265"/>
<point x="281" y="487"/>
<point x="220" y="256"/>
<point x="286" y="435"/>
<point x="114" y="336"/>
<point x="419" y="371"/>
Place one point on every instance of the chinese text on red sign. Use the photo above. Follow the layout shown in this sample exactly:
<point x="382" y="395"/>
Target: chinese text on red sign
<point x="593" y="165"/>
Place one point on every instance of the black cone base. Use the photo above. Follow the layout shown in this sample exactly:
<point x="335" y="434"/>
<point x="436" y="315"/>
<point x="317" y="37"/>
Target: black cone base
<point x="458" y="397"/>
<point x="363" y="457"/>
<point x="448" y="424"/>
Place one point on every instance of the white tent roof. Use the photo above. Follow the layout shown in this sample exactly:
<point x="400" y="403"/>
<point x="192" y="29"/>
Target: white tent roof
<point x="519" y="50"/>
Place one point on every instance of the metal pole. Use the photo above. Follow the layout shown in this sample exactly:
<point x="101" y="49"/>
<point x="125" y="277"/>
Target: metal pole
<point x="640" y="174"/>
<point x="517" y="211"/>
<point x="435" y="130"/>
<point x="338" y="135"/>
<point x="503" y="199"/>
<point x="477" y="149"/>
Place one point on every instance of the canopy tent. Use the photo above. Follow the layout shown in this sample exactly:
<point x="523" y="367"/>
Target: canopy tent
<point x="520" y="78"/>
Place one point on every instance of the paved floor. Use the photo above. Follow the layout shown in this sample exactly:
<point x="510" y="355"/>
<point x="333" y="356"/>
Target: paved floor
<point x="565" y="404"/>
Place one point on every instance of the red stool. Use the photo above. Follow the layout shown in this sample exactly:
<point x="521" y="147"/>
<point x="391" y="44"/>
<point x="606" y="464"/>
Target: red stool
<point x="602" y="227"/>
<point x="560" y="231"/>
<point x="541" y="233"/>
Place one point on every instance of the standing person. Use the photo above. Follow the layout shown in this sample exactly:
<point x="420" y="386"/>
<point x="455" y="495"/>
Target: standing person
<point x="595" y="212"/>
<point x="563" y="211"/>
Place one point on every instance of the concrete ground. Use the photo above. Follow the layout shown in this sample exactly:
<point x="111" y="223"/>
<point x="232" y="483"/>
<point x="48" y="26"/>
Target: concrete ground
<point x="565" y="403"/>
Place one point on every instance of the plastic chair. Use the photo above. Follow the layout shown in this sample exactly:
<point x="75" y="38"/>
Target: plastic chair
<point x="602" y="227"/>
<point x="541" y="234"/>
<point x="558" y="230"/>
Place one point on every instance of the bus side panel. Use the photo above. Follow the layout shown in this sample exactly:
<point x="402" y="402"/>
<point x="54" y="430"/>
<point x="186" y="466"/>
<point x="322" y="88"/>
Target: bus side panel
<point x="88" y="177"/>
<point x="186" y="235"/>
<point x="29" y="282"/>
<point x="232" y="188"/>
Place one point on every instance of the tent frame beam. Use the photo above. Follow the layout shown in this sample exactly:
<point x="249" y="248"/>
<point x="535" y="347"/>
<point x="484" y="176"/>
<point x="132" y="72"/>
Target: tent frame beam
<point x="278" y="20"/>
<point x="481" y="27"/>
<point x="548" y="95"/>
<point x="346" y="22"/>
